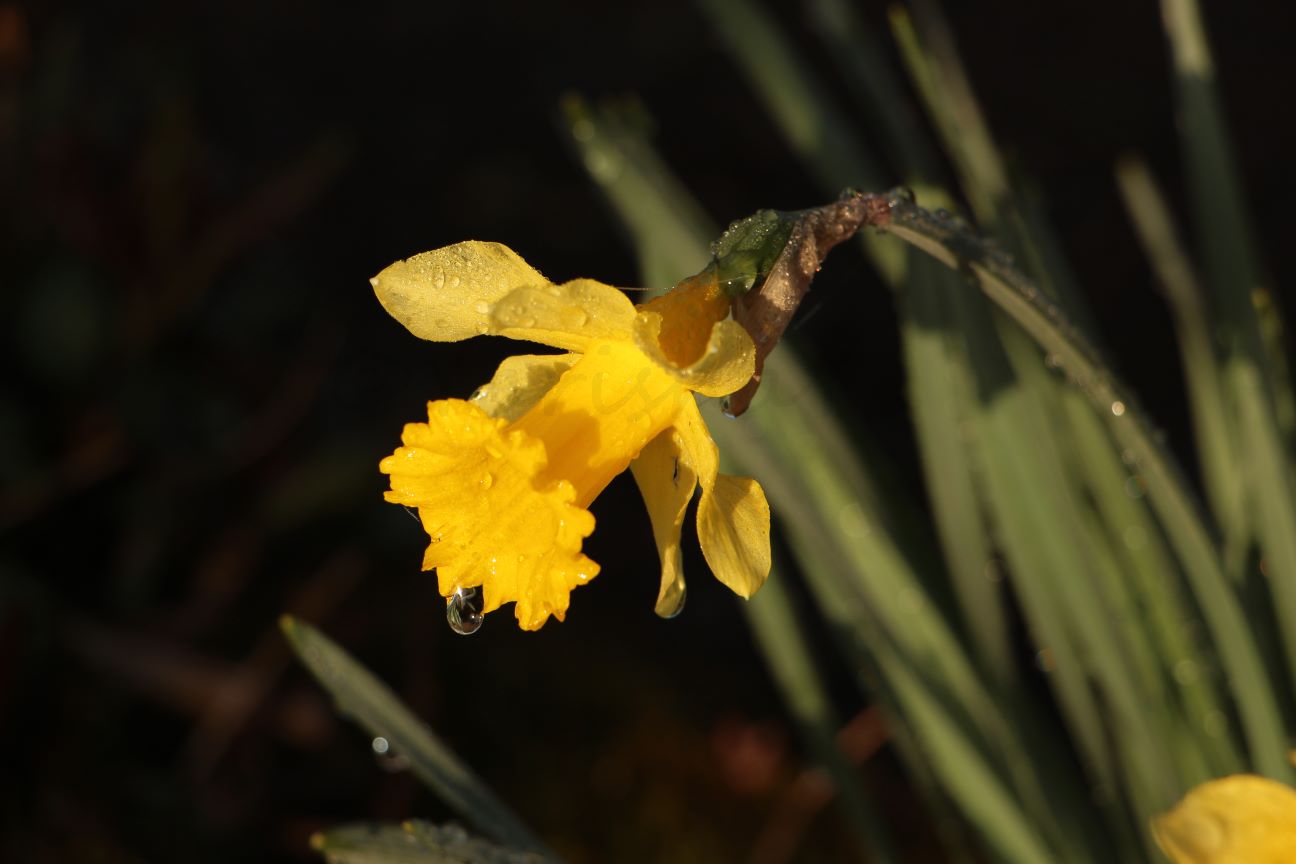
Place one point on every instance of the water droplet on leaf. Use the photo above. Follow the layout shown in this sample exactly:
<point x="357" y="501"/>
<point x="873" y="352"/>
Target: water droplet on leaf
<point x="463" y="611"/>
<point x="388" y="759"/>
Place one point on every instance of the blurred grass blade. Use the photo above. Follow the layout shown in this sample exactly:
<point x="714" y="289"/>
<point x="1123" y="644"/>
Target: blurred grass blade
<point x="818" y="131"/>
<point x="1216" y="447"/>
<point x="833" y="513"/>
<point x="1224" y="230"/>
<point x="939" y="403"/>
<point x="989" y="806"/>
<point x="823" y="135"/>
<point x="863" y="60"/>
<point x="932" y="357"/>
<point x="1257" y="388"/>
<point x="774" y="623"/>
<point x="658" y="213"/>
<point x="370" y="703"/>
<point x="956" y="246"/>
<point x="1133" y="588"/>
<point x="937" y="71"/>
<point x="413" y="843"/>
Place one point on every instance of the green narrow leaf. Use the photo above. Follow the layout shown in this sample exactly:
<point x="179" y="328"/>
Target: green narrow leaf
<point x="958" y="248"/>
<point x="989" y="806"/>
<point x="371" y="704"/>
<point x="1215" y="437"/>
<point x="823" y="135"/>
<point x="1256" y="385"/>
<point x="938" y="401"/>
<point x="771" y="616"/>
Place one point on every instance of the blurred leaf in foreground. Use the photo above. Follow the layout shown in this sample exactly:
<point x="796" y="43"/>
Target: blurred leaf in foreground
<point x="414" y="842"/>
<point x="370" y="703"/>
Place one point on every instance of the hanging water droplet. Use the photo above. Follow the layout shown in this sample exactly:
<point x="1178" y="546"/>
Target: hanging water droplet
<point x="674" y="605"/>
<point x="463" y="611"/>
<point x="1118" y="408"/>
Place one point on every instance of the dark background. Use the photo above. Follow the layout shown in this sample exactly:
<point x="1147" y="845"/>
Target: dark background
<point x="199" y="383"/>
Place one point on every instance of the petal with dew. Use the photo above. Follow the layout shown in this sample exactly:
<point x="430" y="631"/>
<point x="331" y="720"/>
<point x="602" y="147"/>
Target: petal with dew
<point x="491" y="524"/>
<point x="1243" y="819"/>
<point x="699" y="451"/>
<point x="666" y="483"/>
<point x="733" y="519"/>
<point x="447" y="294"/>
<point x="520" y="382"/>
<point x="724" y="366"/>
<point x="733" y="524"/>
<point x="569" y="316"/>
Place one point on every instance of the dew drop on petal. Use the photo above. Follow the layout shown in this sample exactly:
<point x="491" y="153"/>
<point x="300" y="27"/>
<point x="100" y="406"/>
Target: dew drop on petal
<point x="487" y="480"/>
<point x="574" y="318"/>
<point x="463" y="611"/>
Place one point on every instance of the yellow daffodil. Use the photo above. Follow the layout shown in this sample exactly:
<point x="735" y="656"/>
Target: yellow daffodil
<point x="502" y="481"/>
<point x="1243" y="819"/>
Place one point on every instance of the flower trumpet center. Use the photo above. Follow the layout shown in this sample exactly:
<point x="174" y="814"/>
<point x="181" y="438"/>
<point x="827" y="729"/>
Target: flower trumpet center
<point x="599" y="415"/>
<point x="505" y="503"/>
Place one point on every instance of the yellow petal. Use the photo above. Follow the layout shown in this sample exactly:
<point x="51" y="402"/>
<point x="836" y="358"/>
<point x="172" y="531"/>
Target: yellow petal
<point x="474" y="482"/>
<point x="699" y="451"/>
<point x="666" y="483"/>
<point x="725" y="365"/>
<point x="519" y="382"/>
<point x="447" y="294"/>
<point x="568" y="316"/>
<point x="733" y="519"/>
<point x="734" y="531"/>
<point x="1243" y="819"/>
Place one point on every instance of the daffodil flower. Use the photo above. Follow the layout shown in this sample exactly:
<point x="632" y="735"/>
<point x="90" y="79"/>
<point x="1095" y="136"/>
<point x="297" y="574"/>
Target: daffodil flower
<point x="503" y="481"/>
<point x="1243" y="819"/>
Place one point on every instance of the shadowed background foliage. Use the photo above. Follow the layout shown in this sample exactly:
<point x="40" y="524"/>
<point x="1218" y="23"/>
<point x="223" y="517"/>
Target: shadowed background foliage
<point x="199" y="384"/>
